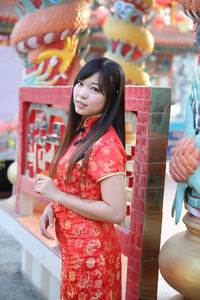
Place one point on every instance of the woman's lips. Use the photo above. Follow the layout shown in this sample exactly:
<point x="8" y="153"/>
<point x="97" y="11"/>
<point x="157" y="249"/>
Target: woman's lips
<point x="80" y="104"/>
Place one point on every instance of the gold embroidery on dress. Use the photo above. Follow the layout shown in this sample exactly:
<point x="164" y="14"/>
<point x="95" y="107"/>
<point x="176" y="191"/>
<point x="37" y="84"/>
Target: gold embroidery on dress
<point x="107" y="246"/>
<point x="111" y="277"/>
<point x="95" y="229"/>
<point x="90" y="263"/>
<point x="97" y="295"/>
<point x="92" y="246"/>
<point x="79" y="243"/>
<point x="76" y="261"/>
<point x="118" y="262"/>
<point x="72" y="276"/>
<point x="118" y="275"/>
<point x="71" y="291"/>
<point x="111" y="259"/>
<point x="82" y="296"/>
<point x="111" y="295"/>
<point x="80" y="229"/>
<point x="67" y="224"/>
<point x="101" y="260"/>
<point x="98" y="273"/>
<point x="85" y="282"/>
<point x="98" y="284"/>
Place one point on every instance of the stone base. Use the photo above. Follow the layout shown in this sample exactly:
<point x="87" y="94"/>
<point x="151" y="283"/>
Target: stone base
<point x="40" y="276"/>
<point x="41" y="260"/>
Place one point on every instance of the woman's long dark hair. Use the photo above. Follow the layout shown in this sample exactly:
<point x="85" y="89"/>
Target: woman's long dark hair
<point x="112" y="85"/>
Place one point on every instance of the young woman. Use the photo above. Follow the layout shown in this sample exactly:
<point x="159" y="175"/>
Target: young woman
<point x="86" y="186"/>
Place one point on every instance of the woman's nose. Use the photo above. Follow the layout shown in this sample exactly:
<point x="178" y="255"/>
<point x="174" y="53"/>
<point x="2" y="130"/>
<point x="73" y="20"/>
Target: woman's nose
<point x="83" y="92"/>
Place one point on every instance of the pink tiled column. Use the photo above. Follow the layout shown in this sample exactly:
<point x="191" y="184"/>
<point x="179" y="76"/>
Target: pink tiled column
<point x="153" y="107"/>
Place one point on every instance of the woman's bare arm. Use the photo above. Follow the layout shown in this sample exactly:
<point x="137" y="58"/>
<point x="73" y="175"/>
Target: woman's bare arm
<point x="111" y="209"/>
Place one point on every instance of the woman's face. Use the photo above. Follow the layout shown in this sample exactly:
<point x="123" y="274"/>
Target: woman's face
<point x="88" y="99"/>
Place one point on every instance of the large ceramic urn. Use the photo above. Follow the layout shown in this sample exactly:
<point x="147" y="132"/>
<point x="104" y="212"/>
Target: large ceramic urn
<point x="179" y="260"/>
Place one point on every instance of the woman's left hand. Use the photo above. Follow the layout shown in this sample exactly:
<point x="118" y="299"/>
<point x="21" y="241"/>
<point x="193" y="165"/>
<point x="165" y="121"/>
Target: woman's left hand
<point x="45" y="186"/>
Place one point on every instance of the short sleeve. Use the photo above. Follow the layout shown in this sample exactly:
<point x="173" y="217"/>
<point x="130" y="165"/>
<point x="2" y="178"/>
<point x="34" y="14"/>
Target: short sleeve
<point x="107" y="158"/>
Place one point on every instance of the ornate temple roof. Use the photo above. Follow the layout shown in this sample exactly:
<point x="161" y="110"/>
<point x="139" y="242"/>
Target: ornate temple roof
<point x="7" y="11"/>
<point x="171" y="36"/>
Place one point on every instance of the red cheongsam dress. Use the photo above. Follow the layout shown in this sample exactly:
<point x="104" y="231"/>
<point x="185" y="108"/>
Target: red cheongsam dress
<point x="91" y="257"/>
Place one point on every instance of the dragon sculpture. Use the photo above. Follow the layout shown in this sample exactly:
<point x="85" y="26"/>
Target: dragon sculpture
<point x="129" y="40"/>
<point x="50" y="38"/>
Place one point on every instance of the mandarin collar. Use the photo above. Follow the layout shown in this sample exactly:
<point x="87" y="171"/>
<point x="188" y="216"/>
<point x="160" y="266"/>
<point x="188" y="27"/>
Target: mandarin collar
<point x="85" y="127"/>
<point x="88" y="121"/>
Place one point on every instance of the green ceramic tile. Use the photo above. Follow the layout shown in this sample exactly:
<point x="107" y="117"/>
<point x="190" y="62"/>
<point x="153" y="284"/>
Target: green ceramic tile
<point x="159" y="125"/>
<point x="160" y="100"/>
<point x="155" y="175"/>
<point x="148" y="280"/>
<point x="150" y="248"/>
<point x="154" y="200"/>
<point x="157" y="150"/>
<point x="152" y="224"/>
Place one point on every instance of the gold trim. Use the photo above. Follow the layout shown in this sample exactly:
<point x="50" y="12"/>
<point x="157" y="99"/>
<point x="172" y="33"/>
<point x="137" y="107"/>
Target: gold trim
<point x="85" y="119"/>
<point x="109" y="175"/>
<point x="90" y="117"/>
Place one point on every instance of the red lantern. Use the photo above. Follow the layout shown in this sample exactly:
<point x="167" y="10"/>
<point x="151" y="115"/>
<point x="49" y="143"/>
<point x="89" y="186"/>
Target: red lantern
<point x="179" y="16"/>
<point x="102" y="13"/>
<point x="159" y="20"/>
<point x="162" y="3"/>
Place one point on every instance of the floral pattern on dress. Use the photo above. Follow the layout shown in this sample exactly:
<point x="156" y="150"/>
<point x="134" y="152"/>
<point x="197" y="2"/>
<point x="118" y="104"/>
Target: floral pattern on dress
<point x="91" y="256"/>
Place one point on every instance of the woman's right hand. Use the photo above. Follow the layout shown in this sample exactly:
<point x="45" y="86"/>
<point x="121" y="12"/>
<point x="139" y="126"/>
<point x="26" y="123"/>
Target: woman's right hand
<point x="47" y="220"/>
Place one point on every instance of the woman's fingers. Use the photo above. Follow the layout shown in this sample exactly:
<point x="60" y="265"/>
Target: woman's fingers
<point x="51" y="219"/>
<point x="46" y="220"/>
<point x="39" y="182"/>
<point x="40" y="177"/>
<point x="43" y="228"/>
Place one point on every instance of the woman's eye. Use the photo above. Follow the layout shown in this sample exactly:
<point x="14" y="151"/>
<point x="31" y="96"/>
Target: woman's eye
<point x="79" y="83"/>
<point x="94" y="89"/>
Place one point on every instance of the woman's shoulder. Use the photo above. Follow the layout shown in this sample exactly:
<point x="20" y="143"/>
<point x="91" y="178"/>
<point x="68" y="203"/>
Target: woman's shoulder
<point x="109" y="139"/>
<point x="107" y="157"/>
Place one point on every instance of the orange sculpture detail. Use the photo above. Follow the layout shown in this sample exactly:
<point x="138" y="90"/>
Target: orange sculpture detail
<point x="184" y="159"/>
<point x="50" y="39"/>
